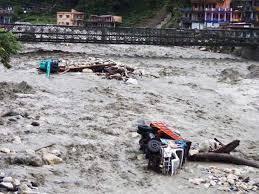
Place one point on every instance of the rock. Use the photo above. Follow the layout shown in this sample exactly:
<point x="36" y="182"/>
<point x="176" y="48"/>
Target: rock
<point x="7" y="185"/>
<point x="1" y="122"/>
<point x="244" y="186"/>
<point x="87" y="71"/>
<point x="203" y="49"/>
<point x="8" y="179"/>
<point x="255" y="188"/>
<point x="16" y="182"/>
<point x="232" y="176"/>
<point x="197" y="181"/>
<point x="238" y="172"/>
<point x="12" y="120"/>
<point x="208" y="145"/>
<point x="27" y="159"/>
<point x="223" y="188"/>
<point x="56" y="152"/>
<point x="223" y="179"/>
<point x="2" y="174"/>
<point x="207" y="185"/>
<point x="132" y="81"/>
<point x="213" y="183"/>
<point x="35" y="124"/>
<point x="193" y="152"/>
<point x="5" y="150"/>
<point x="134" y="135"/>
<point x="51" y="159"/>
<point x="17" y="140"/>
<point x="231" y="181"/>
<point x="10" y="114"/>
<point x="24" y="189"/>
<point x="34" y="184"/>
<point x="140" y="157"/>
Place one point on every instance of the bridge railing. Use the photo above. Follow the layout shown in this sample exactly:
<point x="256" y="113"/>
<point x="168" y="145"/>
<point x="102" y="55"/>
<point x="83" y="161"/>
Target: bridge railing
<point x="50" y="33"/>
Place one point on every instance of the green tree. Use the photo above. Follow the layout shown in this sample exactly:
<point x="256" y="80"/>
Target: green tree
<point x="8" y="46"/>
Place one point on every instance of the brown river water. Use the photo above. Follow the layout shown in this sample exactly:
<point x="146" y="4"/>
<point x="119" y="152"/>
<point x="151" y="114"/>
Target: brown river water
<point x="92" y="120"/>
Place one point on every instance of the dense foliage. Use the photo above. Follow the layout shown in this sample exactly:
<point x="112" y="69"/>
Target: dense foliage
<point x="8" y="46"/>
<point x="133" y="11"/>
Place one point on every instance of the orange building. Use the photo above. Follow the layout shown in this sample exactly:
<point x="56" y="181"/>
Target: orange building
<point x="72" y="18"/>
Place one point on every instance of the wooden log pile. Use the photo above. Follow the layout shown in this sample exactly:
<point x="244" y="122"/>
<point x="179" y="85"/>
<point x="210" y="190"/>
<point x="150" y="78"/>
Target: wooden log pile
<point x="108" y="70"/>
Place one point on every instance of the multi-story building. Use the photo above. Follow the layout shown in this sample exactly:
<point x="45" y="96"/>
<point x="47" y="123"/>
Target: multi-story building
<point x="73" y="18"/>
<point x="214" y="13"/>
<point x="104" y="20"/>
<point x="246" y="11"/>
<point x="207" y="13"/>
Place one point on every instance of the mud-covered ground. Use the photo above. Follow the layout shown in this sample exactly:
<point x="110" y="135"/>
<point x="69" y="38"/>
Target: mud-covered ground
<point x="92" y="121"/>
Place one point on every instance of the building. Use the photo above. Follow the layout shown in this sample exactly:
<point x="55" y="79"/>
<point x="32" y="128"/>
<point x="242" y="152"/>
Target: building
<point x="104" y="20"/>
<point x="73" y="18"/>
<point x="6" y="15"/>
<point x="216" y="13"/>
<point x="246" y="11"/>
<point x="207" y="14"/>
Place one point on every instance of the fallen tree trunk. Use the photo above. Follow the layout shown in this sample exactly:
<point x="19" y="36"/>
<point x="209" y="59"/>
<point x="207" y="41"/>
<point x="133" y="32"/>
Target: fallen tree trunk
<point x="228" y="148"/>
<point x="223" y="158"/>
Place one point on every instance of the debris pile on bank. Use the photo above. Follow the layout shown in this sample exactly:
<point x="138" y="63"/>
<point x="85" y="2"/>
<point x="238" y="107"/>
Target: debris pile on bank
<point x="34" y="158"/>
<point x="227" y="179"/>
<point x="11" y="184"/>
<point x="106" y="68"/>
<point x="167" y="151"/>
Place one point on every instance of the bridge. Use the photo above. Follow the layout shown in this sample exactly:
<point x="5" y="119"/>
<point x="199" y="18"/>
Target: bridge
<point x="147" y="36"/>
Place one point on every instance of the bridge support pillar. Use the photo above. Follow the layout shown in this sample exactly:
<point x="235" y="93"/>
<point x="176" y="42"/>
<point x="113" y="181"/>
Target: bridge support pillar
<point x="250" y="53"/>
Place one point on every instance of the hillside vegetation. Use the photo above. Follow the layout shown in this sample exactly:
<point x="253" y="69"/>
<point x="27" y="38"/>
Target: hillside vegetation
<point x="133" y="11"/>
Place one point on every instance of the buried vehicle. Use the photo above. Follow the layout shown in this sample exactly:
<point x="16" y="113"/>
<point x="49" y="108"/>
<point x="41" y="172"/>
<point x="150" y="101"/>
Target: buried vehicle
<point x="164" y="148"/>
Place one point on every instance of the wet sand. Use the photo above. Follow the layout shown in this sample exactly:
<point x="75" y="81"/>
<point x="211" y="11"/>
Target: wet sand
<point x="93" y="121"/>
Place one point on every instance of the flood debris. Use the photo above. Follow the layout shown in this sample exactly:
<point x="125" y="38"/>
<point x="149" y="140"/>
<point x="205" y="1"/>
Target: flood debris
<point x="107" y="69"/>
<point x="11" y="184"/>
<point x="164" y="148"/>
<point x="227" y="179"/>
<point x="35" y="124"/>
<point x="38" y="158"/>
<point x="167" y="151"/>
<point x="220" y="153"/>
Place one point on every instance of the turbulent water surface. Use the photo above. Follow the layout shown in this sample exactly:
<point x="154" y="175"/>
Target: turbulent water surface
<point x="92" y="120"/>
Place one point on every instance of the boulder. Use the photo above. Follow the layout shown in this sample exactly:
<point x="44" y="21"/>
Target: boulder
<point x="8" y="179"/>
<point x="29" y="159"/>
<point x="87" y="70"/>
<point x="51" y="159"/>
<point x="197" y="181"/>
<point x="7" y="185"/>
<point x="35" y="124"/>
<point x="132" y="81"/>
<point x="5" y="150"/>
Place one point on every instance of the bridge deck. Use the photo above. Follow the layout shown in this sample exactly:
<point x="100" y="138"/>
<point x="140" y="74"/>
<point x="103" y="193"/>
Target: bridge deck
<point x="148" y="36"/>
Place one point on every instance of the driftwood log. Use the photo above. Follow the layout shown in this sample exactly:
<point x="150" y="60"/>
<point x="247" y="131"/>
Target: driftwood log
<point x="223" y="158"/>
<point x="228" y="148"/>
<point x="80" y="68"/>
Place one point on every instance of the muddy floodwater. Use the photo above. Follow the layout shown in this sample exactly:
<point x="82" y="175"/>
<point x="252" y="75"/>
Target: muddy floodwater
<point x="91" y="121"/>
